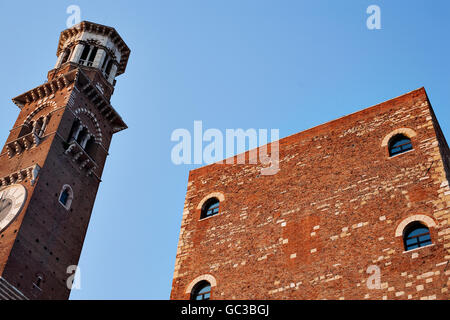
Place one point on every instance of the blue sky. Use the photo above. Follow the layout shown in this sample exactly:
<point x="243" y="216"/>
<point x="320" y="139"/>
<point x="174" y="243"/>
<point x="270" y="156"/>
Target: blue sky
<point x="289" y="65"/>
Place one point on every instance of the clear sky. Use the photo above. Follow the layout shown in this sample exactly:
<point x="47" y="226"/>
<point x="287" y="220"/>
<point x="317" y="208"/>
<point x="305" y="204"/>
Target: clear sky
<point x="289" y="65"/>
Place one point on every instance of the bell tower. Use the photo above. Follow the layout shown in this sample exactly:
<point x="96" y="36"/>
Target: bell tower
<point x="52" y="162"/>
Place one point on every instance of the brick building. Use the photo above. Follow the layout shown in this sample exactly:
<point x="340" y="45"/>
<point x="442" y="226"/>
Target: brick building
<point x="52" y="163"/>
<point x="360" y="209"/>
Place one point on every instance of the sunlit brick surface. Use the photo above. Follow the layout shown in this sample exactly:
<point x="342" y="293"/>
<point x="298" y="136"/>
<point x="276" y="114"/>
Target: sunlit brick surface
<point x="312" y="230"/>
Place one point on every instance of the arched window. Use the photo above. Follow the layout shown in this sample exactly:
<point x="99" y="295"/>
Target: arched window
<point x="66" y="196"/>
<point x="201" y="291"/>
<point x="210" y="208"/>
<point x="85" y="54"/>
<point x="88" y="55"/>
<point x="37" y="126"/>
<point x="74" y="131"/>
<point x="399" y="144"/>
<point x="416" y="235"/>
<point x="27" y="128"/>
<point x="66" y="56"/>
<point x="92" y="56"/>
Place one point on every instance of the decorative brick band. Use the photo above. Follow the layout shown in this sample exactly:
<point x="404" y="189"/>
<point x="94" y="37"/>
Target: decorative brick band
<point x="429" y="222"/>
<point x="205" y="277"/>
<point x="30" y="173"/>
<point x="98" y="133"/>
<point x="38" y="109"/>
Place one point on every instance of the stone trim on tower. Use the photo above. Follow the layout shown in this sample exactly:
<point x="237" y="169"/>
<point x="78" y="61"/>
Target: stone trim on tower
<point x="91" y="115"/>
<point x="47" y="90"/>
<point x="38" y="109"/>
<point x="101" y="103"/>
<point x="69" y="35"/>
<point x="30" y="173"/>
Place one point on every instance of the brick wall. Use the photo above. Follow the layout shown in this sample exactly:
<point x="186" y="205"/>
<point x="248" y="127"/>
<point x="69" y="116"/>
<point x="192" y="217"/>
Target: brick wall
<point x="312" y="230"/>
<point x="45" y="239"/>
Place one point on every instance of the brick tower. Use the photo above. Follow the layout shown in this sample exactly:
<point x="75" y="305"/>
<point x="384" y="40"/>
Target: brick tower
<point x="52" y="163"/>
<point x="360" y="209"/>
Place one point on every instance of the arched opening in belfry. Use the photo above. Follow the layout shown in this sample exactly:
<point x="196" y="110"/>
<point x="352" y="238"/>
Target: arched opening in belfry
<point x="91" y="147"/>
<point x="74" y="131"/>
<point x="82" y="136"/>
<point x="66" y="56"/>
<point x="88" y="55"/>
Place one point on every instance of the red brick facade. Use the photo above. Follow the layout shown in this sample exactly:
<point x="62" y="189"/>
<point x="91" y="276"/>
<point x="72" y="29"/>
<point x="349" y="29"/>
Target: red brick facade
<point x="46" y="238"/>
<point x="337" y="206"/>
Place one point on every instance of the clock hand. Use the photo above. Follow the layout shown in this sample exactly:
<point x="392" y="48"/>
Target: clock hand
<point x="6" y="206"/>
<point x="3" y="205"/>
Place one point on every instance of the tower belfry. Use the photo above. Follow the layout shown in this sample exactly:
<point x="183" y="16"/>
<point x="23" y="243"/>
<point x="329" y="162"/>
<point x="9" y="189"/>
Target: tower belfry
<point x="53" y="160"/>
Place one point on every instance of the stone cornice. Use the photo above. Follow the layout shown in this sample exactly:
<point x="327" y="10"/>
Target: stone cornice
<point x="45" y="90"/>
<point x="85" y="86"/>
<point x="30" y="173"/>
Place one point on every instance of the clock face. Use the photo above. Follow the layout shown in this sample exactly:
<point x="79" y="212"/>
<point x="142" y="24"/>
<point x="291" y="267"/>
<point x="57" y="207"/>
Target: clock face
<point x="12" y="199"/>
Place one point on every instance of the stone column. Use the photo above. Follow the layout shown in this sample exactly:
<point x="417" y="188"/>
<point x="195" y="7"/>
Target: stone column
<point x="112" y="75"/>
<point x="85" y="140"/>
<point x="58" y="61"/>
<point x="75" y="135"/>
<point x="35" y="127"/>
<point x="101" y="56"/>
<point x="77" y="53"/>
<point x="44" y="126"/>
